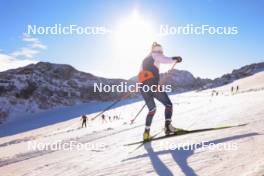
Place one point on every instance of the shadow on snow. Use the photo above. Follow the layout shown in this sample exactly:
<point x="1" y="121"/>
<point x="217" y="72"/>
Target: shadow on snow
<point x="180" y="155"/>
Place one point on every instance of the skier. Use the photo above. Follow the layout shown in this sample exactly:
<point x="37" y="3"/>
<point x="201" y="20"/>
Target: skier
<point x="84" y="119"/>
<point x="149" y="75"/>
<point x="103" y="118"/>
<point x="232" y="90"/>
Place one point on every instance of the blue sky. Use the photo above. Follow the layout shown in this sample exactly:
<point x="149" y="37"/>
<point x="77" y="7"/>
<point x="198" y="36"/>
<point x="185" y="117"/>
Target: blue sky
<point x="120" y="52"/>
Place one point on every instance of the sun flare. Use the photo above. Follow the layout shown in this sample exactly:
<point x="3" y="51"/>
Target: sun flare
<point x="132" y="39"/>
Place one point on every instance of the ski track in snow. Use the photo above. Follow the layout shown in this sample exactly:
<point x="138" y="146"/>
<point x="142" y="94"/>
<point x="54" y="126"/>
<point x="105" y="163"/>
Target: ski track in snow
<point x="192" y="110"/>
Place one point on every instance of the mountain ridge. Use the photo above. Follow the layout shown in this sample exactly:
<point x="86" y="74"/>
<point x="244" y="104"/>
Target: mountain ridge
<point x="46" y="85"/>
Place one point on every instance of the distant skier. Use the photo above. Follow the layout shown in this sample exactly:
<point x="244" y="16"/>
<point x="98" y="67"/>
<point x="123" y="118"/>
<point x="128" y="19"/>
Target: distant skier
<point x="237" y="89"/>
<point x="232" y="90"/>
<point x="149" y="75"/>
<point x="84" y="119"/>
<point x="103" y="118"/>
<point x="213" y="92"/>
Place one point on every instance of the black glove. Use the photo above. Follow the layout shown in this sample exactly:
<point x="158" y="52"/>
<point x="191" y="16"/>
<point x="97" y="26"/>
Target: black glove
<point x="177" y="58"/>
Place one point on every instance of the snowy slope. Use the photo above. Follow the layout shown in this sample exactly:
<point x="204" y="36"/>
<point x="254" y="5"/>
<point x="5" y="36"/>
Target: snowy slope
<point x="240" y="149"/>
<point x="251" y="83"/>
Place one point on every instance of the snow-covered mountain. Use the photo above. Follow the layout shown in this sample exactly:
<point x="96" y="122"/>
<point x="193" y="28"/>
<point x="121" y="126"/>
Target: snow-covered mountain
<point x="182" y="81"/>
<point x="236" y="74"/>
<point x="45" y="85"/>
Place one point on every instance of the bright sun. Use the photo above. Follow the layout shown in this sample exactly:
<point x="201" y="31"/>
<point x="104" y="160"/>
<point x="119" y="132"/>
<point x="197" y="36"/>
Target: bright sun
<point x="132" y="40"/>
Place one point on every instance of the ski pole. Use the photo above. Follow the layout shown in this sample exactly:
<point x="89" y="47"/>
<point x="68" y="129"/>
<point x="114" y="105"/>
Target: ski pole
<point x="132" y="121"/>
<point x="166" y="76"/>
<point x="111" y="105"/>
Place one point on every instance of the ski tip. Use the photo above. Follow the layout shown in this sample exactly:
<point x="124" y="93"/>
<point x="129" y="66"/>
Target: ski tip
<point x="243" y="124"/>
<point x="231" y="126"/>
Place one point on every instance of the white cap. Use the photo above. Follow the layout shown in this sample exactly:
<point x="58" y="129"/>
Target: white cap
<point x="156" y="48"/>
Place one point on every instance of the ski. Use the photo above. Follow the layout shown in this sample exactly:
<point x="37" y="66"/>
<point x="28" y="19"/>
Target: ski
<point x="183" y="132"/>
<point x="142" y="143"/>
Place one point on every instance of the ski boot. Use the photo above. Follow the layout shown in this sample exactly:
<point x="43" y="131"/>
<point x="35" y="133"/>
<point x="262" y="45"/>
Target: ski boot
<point x="169" y="129"/>
<point x="146" y="136"/>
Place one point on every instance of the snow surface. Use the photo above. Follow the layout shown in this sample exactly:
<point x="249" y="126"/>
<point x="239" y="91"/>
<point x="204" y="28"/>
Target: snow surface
<point x="107" y="154"/>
